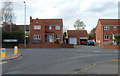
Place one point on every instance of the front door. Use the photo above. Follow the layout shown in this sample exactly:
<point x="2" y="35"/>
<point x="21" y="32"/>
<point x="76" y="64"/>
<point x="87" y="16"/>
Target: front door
<point x="50" y="38"/>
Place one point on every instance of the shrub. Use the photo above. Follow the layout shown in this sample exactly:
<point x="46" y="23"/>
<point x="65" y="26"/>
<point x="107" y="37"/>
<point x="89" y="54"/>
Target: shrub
<point x="56" y="42"/>
<point x="48" y="43"/>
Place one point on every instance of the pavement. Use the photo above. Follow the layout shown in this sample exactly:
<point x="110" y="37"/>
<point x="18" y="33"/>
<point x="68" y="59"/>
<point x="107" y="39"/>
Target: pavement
<point x="10" y="57"/>
<point x="78" y="60"/>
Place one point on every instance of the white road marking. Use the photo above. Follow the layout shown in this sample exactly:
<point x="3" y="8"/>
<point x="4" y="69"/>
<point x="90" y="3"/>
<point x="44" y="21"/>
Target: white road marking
<point x="97" y="51"/>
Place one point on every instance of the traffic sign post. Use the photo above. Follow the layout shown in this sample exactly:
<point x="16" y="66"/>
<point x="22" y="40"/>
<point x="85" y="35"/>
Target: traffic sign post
<point x="3" y="52"/>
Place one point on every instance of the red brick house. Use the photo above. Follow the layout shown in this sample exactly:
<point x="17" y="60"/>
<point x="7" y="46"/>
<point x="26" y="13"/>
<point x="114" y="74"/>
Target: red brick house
<point x="106" y="30"/>
<point x="46" y="30"/>
<point x="76" y="36"/>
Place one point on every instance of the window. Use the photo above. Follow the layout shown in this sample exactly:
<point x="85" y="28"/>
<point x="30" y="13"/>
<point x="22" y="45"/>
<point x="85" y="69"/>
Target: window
<point x="50" y="27"/>
<point x="114" y="28"/>
<point x="37" y="36"/>
<point x="57" y="37"/>
<point x="106" y="37"/>
<point x="37" y="27"/>
<point x="106" y="28"/>
<point x="57" y="27"/>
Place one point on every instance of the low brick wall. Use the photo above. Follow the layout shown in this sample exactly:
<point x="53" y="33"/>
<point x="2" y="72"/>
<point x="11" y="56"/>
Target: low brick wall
<point x="111" y="46"/>
<point x="47" y="46"/>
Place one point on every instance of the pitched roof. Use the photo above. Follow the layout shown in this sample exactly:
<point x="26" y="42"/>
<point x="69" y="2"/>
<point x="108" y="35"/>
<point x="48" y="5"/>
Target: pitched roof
<point x="21" y="27"/>
<point x="50" y="21"/>
<point x="110" y="21"/>
<point x="77" y="33"/>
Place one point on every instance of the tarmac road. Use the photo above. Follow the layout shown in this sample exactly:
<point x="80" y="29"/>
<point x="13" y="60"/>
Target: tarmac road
<point x="59" y="60"/>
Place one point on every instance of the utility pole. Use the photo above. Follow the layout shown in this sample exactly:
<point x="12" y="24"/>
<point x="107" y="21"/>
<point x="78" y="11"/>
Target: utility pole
<point x="25" y="26"/>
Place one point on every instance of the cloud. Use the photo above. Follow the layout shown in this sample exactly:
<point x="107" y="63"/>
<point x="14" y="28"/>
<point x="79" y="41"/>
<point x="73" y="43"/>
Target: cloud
<point x="88" y="11"/>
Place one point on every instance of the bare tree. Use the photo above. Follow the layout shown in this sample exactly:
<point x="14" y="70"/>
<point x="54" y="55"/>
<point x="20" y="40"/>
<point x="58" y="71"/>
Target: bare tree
<point x="7" y="12"/>
<point x="79" y="25"/>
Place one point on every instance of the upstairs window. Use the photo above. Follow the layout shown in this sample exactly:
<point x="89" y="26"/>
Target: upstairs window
<point x="37" y="36"/>
<point x="106" y="37"/>
<point x="106" y="27"/>
<point x="37" y="27"/>
<point x="57" y="27"/>
<point x="114" y="28"/>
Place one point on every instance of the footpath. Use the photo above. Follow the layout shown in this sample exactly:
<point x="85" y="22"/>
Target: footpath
<point x="7" y="55"/>
<point x="10" y="57"/>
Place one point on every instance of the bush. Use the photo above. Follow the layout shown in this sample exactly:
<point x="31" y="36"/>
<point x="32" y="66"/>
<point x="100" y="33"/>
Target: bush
<point x="117" y="39"/>
<point x="49" y="43"/>
<point x="56" y="42"/>
<point x="18" y="34"/>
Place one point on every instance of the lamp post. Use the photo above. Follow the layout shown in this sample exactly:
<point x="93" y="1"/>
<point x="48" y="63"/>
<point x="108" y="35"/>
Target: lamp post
<point x="25" y="26"/>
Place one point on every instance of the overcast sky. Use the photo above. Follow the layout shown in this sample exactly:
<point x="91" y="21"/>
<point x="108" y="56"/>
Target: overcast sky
<point x="89" y="11"/>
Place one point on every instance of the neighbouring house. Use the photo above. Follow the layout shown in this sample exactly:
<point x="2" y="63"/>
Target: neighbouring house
<point x="76" y="36"/>
<point x="106" y="30"/>
<point x="46" y="30"/>
<point x="22" y="27"/>
<point x="9" y="27"/>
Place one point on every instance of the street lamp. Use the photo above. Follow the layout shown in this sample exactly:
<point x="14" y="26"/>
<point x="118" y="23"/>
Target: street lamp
<point x="25" y="26"/>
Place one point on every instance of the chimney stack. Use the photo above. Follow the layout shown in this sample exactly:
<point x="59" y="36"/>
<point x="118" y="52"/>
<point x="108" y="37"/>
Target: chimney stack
<point x="30" y="18"/>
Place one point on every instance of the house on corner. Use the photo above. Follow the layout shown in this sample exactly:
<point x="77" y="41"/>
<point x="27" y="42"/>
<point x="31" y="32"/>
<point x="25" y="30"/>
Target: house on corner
<point x="77" y="36"/>
<point x="46" y="30"/>
<point x="106" y="31"/>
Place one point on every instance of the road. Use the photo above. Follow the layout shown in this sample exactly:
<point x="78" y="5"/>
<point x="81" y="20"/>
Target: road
<point x="57" y="61"/>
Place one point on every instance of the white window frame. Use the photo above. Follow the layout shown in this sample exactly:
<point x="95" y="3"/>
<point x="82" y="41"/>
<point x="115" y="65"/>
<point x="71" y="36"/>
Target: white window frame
<point x="37" y="27"/>
<point x="106" y="38"/>
<point x="50" y="27"/>
<point x="57" y="27"/>
<point x="114" y="28"/>
<point x="106" y="28"/>
<point x="57" y="37"/>
<point x="38" y="36"/>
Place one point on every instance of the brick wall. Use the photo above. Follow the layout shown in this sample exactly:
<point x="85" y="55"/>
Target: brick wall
<point x="111" y="46"/>
<point x="99" y="33"/>
<point x="47" y="46"/>
<point x="43" y="30"/>
<point x="40" y="31"/>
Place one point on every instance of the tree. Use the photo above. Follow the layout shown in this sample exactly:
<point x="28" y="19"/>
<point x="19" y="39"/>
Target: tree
<point x="92" y="34"/>
<point x="7" y="15"/>
<point x="117" y="39"/>
<point x="79" y="25"/>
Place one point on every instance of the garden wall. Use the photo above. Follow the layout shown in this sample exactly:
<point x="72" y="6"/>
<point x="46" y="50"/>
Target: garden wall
<point x="47" y="46"/>
<point x="111" y="46"/>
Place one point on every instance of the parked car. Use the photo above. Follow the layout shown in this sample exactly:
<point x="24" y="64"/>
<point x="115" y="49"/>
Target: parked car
<point x="36" y="42"/>
<point x="117" y="43"/>
<point x="89" y="42"/>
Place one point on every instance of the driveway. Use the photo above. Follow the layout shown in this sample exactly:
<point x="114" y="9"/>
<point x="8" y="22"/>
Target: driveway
<point x="58" y="60"/>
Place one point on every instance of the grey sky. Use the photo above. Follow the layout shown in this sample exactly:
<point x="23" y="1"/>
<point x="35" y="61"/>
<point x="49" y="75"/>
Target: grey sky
<point x="88" y="11"/>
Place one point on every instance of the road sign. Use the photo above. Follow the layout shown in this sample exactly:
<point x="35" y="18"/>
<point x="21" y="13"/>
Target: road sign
<point x="10" y="40"/>
<point x="2" y="50"/>
<point x="3" y="53"/>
